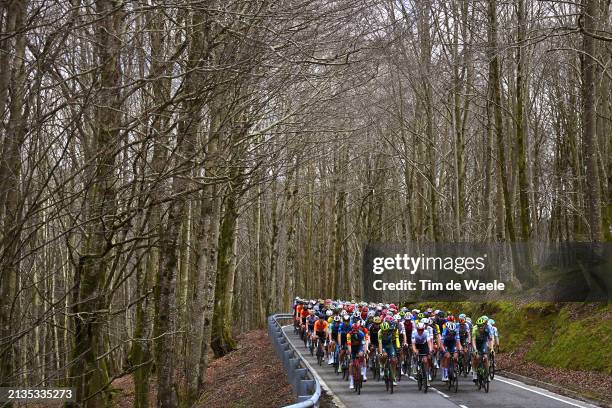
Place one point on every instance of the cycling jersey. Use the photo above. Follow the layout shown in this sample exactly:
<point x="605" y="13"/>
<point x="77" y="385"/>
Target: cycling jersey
<point x="464" y="331"/>
<point x="408" y="327"/>
<point x="343" y="329"/>
<point x="389" y="341"/>
<point x="450" y="339"/>
<point x="333" y="328"/>
<point x="310" y="320"/>
<point x="421" y="341"/>
<point x="320" y="326"/>
<point x="374" y="329"/>
<point x="355" y="339"/>
<point x="482" y="340"/>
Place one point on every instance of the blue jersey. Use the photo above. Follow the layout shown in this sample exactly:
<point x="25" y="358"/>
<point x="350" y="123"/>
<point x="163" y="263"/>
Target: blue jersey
<point x="449" y="338"/>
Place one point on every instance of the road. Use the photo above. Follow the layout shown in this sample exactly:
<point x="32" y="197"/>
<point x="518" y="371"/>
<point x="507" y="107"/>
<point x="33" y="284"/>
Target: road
<point x="503" y="392"/>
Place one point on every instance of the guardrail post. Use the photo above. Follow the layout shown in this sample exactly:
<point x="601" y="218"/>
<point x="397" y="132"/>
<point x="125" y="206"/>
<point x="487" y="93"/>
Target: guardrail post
<point x="307" y="389"/>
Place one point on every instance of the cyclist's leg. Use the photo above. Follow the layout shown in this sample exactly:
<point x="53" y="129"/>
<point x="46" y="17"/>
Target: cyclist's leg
<point x="392" y="361"/>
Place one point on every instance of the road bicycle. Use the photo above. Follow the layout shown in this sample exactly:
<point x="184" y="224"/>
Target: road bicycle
<point x="492" y="365"/>
<point x="465" y="362"/>
<point x="357" y="378"/>
<point x="387" y="375"/>
<point x="407" y="361"/>
<point x="375" y="365"/>
<point x="453" y="375"/>
<point x="421" y="374"/>
<point x="435" y="363"/>
<point x="320" y="351"/>
<point x="311" y="345"/>
<point x="346" y="361"/>
<point x="482" y="375"/>
<point x="296" y="326"/>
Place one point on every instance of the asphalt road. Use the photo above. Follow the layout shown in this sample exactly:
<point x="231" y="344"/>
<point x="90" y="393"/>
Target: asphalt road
<point x="503" y="392"/>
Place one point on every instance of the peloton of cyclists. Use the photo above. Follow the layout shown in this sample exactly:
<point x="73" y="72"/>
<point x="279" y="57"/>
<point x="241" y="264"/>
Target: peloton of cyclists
<point x="366" y="330"/>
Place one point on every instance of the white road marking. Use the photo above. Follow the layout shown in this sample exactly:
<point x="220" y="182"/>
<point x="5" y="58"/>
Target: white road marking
<point x="463" y="406"/>
<point x="497" y="378"/>
<point x="440" y="392"/>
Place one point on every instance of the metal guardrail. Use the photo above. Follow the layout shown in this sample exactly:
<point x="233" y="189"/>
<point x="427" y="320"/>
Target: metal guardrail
<point x="304" y="383"/>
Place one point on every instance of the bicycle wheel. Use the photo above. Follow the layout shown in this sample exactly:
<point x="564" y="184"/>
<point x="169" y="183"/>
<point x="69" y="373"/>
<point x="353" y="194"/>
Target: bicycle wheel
<point x="456" y="381"/>
<point x="419" y="380"/>
<point x="425" y="382"/>
<point x="492" y="367"/>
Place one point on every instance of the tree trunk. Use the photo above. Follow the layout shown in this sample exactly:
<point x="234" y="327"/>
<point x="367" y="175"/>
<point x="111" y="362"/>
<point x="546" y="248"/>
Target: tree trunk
<point x="589" y="122"/>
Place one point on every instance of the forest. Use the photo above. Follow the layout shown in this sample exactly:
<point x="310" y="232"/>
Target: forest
<point x="171" y="173"/>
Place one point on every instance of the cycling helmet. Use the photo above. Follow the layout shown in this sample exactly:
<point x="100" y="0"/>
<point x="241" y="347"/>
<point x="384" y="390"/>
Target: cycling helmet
<point x="485" y="317"/>
<point x="356" y="313"/>
<point x="404" y="309"/>
<point x="421" y="316"/>
<point x="379" y="308"/>
<point x="481" y="321"/>
<point x="468" y="319"/>
<point x="337" y="318"/>
<point x="397" y="318"/>
<point x="388" y="318"/>
<point x="436" y="311"/>
<point x="429" y="310"/>
<point x="420" y="326"/>
<point x="377" y="320"/>
<point x="461" y="315"/>
<point x="402" y="313"/>
<point x="450" y="318"/>
<point x="329" y="313"/>
<point x="440" y="314"/>
<point x="426" y="320"/>
<point x="317" y="317"/>
<point x="451" y="326"/>
<point x="384" y="326"/>
<point x="492" y="322"/>
<point x="392" y="306"/>
<point x="346" y="317"/>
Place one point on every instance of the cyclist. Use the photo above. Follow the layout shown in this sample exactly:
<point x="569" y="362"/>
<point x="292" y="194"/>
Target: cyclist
<point x="320" y="330"/>
<point x="464" y="335"/>
<point x="481" y="343"/>
<point x="388" y="340"/>
<point x="407" y="337"/>
<point x="310" y="322"/>
<point x="422" y="345"/>
<point x="343" y="331"/>
<point x="451" y="343"/>
<point x="304" y="314"/>
<point x="494" y="333"/>
<point x="374" y="328"/>
<point x="332" y="335"/>
<point x="355" y="342"/>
